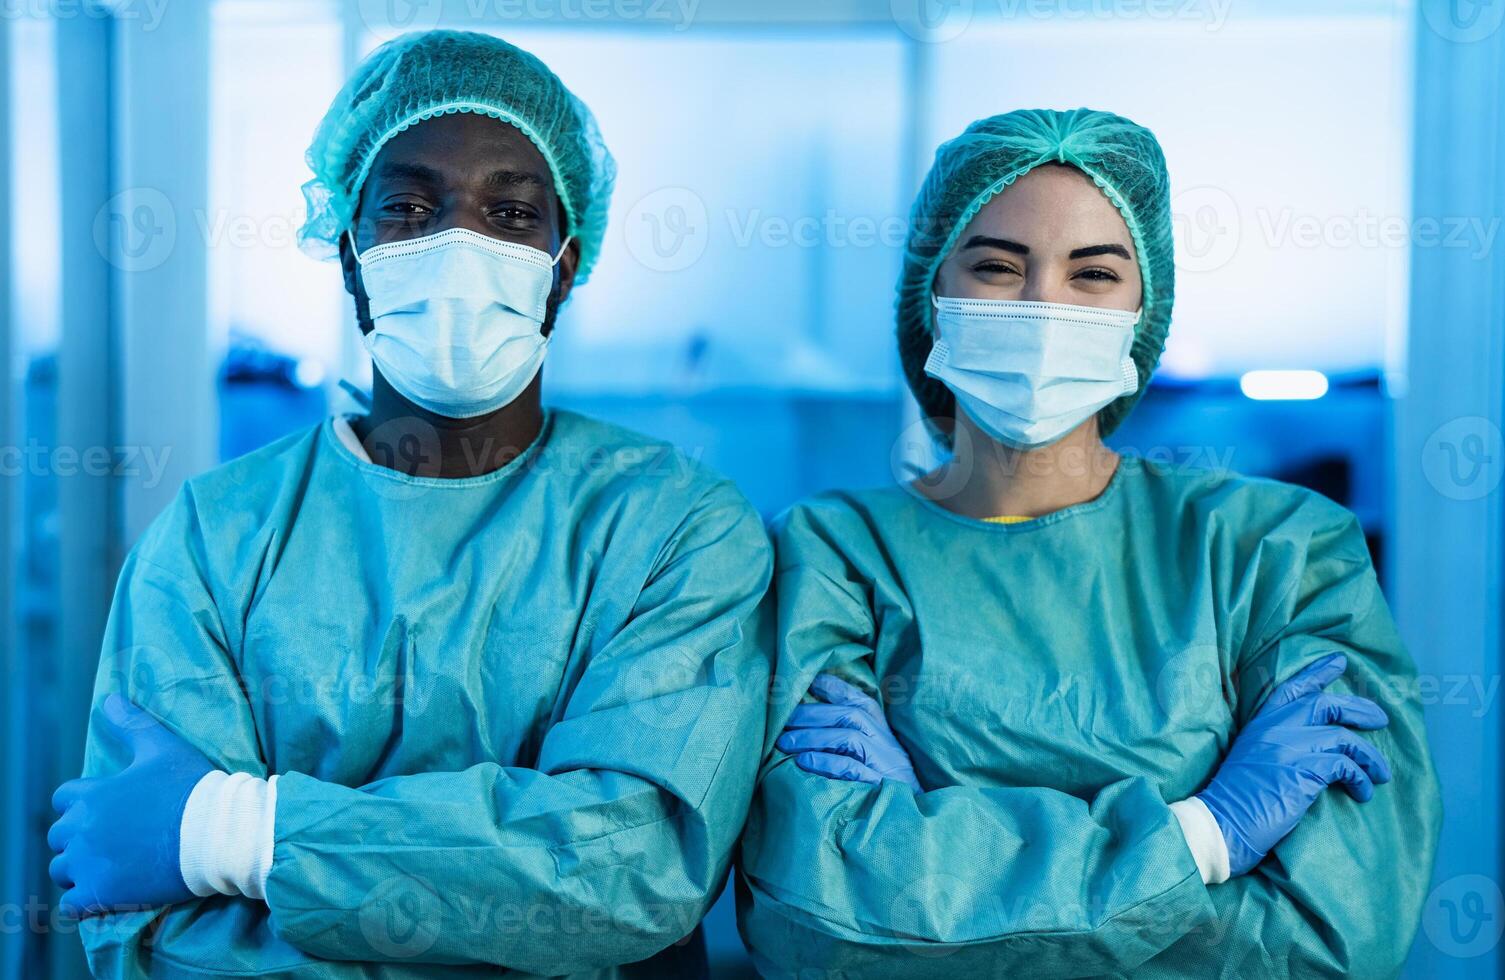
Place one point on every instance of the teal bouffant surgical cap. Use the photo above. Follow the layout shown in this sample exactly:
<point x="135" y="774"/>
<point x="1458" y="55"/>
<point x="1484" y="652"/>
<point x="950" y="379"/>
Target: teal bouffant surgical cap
<point x="425" y="74"/>
<point x="1119" y="156"/>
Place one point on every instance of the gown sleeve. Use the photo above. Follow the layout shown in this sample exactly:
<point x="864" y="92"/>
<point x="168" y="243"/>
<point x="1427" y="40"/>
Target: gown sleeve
<point x="1342" y="894"/>
<point x="166" y="648"/>
<point x="611" y="849"/>
<point x="844" y="879"/>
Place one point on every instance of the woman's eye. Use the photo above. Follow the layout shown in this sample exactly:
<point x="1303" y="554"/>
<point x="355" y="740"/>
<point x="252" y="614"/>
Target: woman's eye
<point x="994" y="268"/>
<point x="1098" y="275"/>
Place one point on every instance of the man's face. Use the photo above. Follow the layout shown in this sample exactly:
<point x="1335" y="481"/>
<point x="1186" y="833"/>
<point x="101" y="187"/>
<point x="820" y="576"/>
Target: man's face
<point x="460" y="170"/>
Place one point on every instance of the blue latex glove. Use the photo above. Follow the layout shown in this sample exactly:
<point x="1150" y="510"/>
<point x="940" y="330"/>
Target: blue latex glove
<point x="845" y="737"/>
<point x="1293" y="749"/>
<point x="116" y="837"/>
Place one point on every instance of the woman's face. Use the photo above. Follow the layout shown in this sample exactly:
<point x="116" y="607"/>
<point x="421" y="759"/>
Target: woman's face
<point x="1051" y="237"/>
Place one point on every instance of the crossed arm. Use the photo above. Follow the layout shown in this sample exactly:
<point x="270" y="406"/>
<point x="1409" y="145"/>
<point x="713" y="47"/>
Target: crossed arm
<point x="617" y="838"/>
<point x="847" y="868"/>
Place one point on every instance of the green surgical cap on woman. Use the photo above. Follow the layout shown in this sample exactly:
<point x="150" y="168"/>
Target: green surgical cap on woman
<point x="425" y="74"/>
<point x="1119" y="156"/>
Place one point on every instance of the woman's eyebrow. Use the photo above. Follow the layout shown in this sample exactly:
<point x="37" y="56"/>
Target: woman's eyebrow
<point x="983" y="241"/>
<point x="1091" y="250"/>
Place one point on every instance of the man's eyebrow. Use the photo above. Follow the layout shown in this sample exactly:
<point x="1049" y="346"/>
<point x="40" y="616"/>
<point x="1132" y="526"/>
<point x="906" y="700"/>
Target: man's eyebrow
<point x="983" y="241"/>
<point x="1091" y="250"/>
<point x="515" y="178"/>
<point x="410" y="171"/>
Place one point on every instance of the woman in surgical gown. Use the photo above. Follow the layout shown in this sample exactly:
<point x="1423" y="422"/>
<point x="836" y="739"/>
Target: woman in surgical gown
<point x="1065" y="642"/>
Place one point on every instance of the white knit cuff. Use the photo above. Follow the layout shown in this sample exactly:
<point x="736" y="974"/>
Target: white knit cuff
<point x="226" y="838"/>
<point x="1205" y="839"/>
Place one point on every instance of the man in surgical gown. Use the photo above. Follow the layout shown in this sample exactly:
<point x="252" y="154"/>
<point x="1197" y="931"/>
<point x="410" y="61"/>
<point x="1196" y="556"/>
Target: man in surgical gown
<point x="512" y="698"/>
<point x="1058" y="682"/>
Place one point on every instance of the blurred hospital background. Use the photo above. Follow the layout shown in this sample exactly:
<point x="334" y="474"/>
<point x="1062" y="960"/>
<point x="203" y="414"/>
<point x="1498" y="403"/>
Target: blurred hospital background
<point x="1339" y="183"/>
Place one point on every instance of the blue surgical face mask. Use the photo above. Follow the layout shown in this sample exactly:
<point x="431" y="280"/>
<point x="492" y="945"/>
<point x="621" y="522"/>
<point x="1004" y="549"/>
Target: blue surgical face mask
<point x="457" y="318"/>
<point x="1028" y="373"/>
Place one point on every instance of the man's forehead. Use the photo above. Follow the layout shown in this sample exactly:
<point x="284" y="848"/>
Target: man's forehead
<point x="503" y="176"/>
<point x="480" y="146"/>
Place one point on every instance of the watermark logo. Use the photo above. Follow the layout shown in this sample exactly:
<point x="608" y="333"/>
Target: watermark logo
<point x="932" y="21"/>
<point x="668" y="230"/>
<point x="400" y="917"/>
<point x="914" y="455"/>
<point x="407" y="445"/>
<point x="399" y="15"/>
<point x="145" y="676"/>
<point x="668" y="691"/>
<point x="136" y="229"/>
<point x="1205" y="224"/>
<point x="1286" y="228"/>
<point x="932" y="898"/>
<point x="145" y="13"/>
<point x="1463" y="21"/>
<point x="936" y="21"/>
<point x="1463" y="459"/>
<point x="1190" y="683"/>
<point x="37" y="459"/>
<point x="1463" y="916"/>
<point x="678" y="15"/>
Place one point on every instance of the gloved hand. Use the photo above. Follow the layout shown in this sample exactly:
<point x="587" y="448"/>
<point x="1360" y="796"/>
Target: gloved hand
<point x="1292" y="750"/>
<point x="116" y="837"/>
<point x="846" y="737"/>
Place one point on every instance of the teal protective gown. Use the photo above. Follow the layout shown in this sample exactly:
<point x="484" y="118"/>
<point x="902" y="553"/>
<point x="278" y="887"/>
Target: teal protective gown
<point x="1056" y="684"/>
<point x="517" y="717"/>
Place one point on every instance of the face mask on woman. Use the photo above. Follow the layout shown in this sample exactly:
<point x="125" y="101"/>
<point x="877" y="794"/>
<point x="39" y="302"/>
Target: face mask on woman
<point x="1028" y="373"/>
<point x="457" y="318"/>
